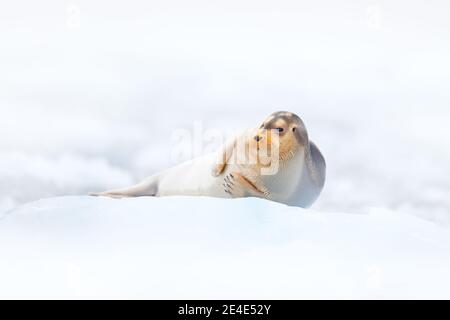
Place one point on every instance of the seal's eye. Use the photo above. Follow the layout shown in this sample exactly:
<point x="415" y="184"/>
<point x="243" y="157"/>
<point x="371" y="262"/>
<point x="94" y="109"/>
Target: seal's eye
<point x="280" y="130"/>
<point x="293" y="129"/>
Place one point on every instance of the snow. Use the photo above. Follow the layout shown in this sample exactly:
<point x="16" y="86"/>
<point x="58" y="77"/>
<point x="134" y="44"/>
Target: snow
<point x="92" y="94"/>
<point x="194" y="247"/>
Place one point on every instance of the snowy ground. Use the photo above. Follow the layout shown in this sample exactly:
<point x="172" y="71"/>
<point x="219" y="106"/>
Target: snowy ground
<point x="182" y="247"/>
<point x="92" y="92"/>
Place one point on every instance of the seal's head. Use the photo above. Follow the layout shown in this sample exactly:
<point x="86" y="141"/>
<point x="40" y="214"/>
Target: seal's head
<point x="283" y="132"/>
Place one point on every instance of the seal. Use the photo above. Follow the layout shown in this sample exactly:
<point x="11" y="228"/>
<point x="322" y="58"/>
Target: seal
<point x="276" y="161"/>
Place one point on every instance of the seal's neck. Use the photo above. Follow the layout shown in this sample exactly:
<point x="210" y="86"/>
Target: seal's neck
<point x="289" y="157"/>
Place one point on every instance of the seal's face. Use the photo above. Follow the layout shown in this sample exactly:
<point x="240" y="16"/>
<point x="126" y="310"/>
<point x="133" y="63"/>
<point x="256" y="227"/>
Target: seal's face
<point x="281" y="134"/>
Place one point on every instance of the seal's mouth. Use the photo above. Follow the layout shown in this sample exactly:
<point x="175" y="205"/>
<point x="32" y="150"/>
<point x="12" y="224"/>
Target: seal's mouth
<point x="262" y="146"/>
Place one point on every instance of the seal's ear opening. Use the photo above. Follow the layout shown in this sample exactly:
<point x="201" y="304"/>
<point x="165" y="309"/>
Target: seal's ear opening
<point x="293" y="129"/>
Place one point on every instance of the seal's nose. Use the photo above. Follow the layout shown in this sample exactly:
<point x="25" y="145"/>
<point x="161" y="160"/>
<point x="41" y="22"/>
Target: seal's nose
<point x="257" y="138"/>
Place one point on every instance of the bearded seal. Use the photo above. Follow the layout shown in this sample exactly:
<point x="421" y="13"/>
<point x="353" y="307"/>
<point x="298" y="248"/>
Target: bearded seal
<point x="276" y="161"/>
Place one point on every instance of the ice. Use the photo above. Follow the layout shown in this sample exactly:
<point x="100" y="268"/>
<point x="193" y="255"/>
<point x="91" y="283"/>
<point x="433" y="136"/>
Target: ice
<point x="190" y="247"/>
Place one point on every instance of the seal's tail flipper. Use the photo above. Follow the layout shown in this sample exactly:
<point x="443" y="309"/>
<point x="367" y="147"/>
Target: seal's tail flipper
<point x="148" y="187"/>
<point x="110" y="194"/>
<point x="94" y="194"/>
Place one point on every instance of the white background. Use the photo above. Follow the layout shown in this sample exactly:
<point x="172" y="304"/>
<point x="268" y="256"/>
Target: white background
<point x="91" y="92"/>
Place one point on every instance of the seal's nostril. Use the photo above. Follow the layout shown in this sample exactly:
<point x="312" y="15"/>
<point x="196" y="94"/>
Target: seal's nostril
<point x="258" y="138"/>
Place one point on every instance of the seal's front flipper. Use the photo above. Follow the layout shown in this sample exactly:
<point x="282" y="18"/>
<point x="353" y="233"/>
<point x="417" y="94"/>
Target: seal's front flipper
<point x="223" y="156"/>
<point x="237" y="185"/>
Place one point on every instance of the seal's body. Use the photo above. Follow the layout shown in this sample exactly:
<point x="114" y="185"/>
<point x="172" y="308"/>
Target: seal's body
<point x="277" y="161"/>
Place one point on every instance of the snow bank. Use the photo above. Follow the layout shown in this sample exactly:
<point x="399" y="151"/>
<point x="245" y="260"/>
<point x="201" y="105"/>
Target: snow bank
<point x="183" y="247"/>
